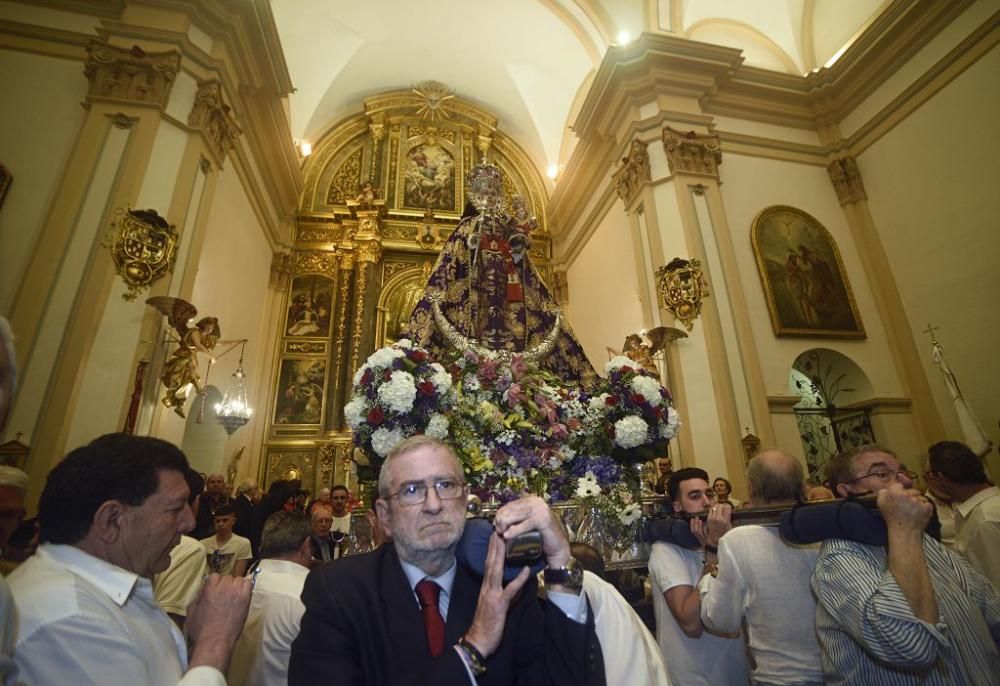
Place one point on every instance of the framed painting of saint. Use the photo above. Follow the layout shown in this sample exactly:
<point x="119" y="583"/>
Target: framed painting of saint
<point x="429" y="178"/>
<point x="309" y="307"/>
<point x="301" y="387"/>
<point x="804" y="281"/>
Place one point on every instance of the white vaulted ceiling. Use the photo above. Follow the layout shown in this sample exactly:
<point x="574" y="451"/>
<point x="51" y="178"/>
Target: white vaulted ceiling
<point x="527" y="60"/>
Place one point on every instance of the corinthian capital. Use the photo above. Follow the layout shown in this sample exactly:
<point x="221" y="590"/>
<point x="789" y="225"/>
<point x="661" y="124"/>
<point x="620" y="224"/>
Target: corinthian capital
<point x="692" y="153"/>
<point x="846" y="178"/>
<point x="214" y="118"/>
<point x="633" y="172"/>
<point x="130" y="75"/>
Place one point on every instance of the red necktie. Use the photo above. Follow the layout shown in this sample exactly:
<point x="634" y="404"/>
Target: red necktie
<point x="427" y="592"/>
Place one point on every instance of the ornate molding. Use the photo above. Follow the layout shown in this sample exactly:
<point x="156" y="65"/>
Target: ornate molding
<point x="281" y="270"/>
<point x="130" y="74"/>
<point x="316" y="263"/>
<point x="692" y="153"/>
<point x="633" y="172"/>
<point x="214" y="118"/>
<point x="846" y="178"/>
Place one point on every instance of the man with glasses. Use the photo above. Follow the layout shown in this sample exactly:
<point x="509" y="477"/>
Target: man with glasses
<point x="910" y="612"/>
<point x="410" y="613"/>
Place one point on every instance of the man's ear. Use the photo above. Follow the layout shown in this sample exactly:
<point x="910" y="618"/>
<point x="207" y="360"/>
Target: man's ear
<point x="842" y="491"/>
<point x="382" y="512"/>
<point x="677" y="506"/>
<point x="305" y="550"/>
<point x="108" y="520"/>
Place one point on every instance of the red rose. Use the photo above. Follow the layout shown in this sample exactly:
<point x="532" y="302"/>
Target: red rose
<point x="366" y="378"/>
<point x="417" y="356"/>
<point x="426" y="387"/>
<point x="611" y="400"/>
<point x="638" y="398"/>
<point x="658" y="411"/>
<point x="375" y="416"/>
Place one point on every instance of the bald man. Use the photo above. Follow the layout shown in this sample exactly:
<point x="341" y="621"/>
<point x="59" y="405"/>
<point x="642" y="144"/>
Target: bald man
<point x="213" y="497"/>
<point x="765" y="581"/>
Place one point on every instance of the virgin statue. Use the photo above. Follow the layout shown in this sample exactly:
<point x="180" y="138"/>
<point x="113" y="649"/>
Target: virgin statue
<point x="485" y="295"/>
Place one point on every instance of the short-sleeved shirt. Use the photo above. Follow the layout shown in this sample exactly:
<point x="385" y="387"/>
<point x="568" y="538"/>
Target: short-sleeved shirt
<point x="222" y="557"/>
<point x="706" y="661"/>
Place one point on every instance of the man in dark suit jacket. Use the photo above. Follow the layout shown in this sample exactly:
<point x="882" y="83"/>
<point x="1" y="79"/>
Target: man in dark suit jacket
<point x="363" y="622"/>
<point x="246" y="497"/>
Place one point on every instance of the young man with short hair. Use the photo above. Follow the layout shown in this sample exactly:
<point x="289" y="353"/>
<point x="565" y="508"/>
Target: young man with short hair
<point x="339" y="496"/>
<point x="692" y="654"/>
<point x="227" y="552"/>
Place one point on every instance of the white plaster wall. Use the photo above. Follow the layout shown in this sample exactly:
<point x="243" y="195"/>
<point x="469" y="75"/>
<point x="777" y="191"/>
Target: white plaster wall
<point x="603" y="288"/>
<point x="932" y="184"/>
<point x="231" y="284"/>
<point x="40" y="115"/>
<point x="748" y="186"/>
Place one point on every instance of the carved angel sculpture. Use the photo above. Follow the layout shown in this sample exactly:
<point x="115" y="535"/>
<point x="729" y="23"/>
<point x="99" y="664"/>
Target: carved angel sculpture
<point x="636" y="349"/>
<point x="180" y="372"/>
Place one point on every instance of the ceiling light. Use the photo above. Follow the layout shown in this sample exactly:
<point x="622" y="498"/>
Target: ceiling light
<point x="553" y="171"/>
<point x="624" y="38"/>
<point x="306" y="148"/>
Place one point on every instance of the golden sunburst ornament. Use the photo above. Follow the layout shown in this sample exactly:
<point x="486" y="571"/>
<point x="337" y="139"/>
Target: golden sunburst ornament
<point x="435" y="95"/>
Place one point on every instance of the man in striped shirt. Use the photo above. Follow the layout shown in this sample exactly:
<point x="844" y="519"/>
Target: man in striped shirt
<point x="911" y="612"/>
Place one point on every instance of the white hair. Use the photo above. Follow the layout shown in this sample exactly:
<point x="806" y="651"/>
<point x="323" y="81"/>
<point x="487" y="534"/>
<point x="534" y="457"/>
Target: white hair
<point x="12" y="477"/>
<point x="247" y="486"/>
<point x="7" y="338"/>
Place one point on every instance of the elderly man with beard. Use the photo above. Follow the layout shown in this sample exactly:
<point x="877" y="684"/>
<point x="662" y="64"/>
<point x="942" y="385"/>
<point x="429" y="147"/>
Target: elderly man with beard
<point x="110" y="514"/>
<point x="409" y="613"/>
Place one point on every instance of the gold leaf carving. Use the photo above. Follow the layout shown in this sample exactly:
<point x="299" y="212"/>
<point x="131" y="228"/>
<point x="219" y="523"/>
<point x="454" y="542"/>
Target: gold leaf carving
<point x="316" y="263"/>
<point x="346" y="180"/>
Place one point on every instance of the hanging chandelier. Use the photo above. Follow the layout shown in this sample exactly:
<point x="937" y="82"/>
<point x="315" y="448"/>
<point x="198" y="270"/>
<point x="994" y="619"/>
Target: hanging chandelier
<point x="234" y="410"/>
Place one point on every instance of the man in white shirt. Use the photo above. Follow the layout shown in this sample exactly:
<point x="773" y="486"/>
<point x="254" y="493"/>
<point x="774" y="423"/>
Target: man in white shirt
<point x="692" y="655"/>
<point x="110" y="514"/>
<point x="955" y="470"/>
<point x="262" y="651"/>
<point x="766" y="581"/>
<point x="338" y="506"/>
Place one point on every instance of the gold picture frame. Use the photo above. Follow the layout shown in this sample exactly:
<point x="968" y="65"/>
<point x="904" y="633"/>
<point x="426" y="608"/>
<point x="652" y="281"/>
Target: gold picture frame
<point x="806" y="286"/>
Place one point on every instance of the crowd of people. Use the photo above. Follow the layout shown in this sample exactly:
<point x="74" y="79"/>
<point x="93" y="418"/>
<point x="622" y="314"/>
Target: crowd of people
<point x="146" y="572"/>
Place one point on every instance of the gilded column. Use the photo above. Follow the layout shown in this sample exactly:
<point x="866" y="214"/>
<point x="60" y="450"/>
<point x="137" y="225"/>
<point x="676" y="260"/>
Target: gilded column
<point x="340" y="377"/>
<point x="849" y="186"/>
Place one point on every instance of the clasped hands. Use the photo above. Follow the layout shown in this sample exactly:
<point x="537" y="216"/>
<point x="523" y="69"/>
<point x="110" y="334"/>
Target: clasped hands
<point x="513" y="519"/>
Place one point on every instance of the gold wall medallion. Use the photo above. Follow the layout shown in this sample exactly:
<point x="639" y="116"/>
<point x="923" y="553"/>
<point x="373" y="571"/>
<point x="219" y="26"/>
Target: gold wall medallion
<point x="682" y="288"/>
<point x="143" y="246"/>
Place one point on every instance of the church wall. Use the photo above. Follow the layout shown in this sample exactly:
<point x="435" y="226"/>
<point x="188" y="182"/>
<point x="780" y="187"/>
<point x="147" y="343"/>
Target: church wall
<point x="40" y="115"/>
<point x="604" y="289"/>
<point x="932" y="187"/>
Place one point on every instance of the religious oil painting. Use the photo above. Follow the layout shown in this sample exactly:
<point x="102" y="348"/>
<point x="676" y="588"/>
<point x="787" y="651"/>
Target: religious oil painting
<point x="309" y="306"/>
<point x="803" y="276"/>
<point x="429" y="178"/>
<point x="301" y="385"/>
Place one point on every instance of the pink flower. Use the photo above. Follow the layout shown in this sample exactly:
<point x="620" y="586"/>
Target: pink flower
<point x="518" y="367"/>
<point x="487" y="370"/>
<point x="515" y="394"/>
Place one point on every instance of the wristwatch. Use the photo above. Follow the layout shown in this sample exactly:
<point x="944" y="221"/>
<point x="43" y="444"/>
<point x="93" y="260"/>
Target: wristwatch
<point x="570" y="576"/>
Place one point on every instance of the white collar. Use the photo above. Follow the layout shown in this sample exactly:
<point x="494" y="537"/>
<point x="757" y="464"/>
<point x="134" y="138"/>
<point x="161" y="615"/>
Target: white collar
<point x="282" y="567"/>
<point x="414" y="575"/>
<point x="966" y="507"/>
<point x="111" y="579"/>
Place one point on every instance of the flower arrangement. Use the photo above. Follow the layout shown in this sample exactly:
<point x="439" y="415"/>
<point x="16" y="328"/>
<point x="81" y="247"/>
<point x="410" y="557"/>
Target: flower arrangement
<point x="515" y="427"/>
<point x="398" y="393"/>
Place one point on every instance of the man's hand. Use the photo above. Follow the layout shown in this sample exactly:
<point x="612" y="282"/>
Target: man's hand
<point x="532" y="514"/>
<point x="905" y="509"/>
<point x="215" y="619"/>
<point x="720" y="520"/>
<point x="494" y="600"/>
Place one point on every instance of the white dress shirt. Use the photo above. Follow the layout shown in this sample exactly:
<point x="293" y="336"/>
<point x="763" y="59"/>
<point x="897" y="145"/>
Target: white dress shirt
<point x="262" y="651"/>
<point x="977" y="532"/>
<point x="87" y="622"/>
<point x="8" y="636"/>
<point x="767" y="581"/>
<point x="631" y="654"/>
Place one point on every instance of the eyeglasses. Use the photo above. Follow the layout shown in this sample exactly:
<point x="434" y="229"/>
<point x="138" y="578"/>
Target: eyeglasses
<point x="885" y="475"/>
<point x="416" y="493"/>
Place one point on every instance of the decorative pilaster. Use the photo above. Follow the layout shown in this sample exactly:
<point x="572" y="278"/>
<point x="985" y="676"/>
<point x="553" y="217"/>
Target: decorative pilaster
<point x="130" y="75"/>
<point x="692" y="153"/>
<point x="214" y="118"/>
<point x="281" y="270"/>
<point x="633" y="172"/>
<point x="846" y="178"/>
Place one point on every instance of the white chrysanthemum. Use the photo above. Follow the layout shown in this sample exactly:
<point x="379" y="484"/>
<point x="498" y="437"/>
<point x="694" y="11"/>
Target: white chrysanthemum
<point x="630" y="514"/>
<point x="384" y="440"/>
<point x="631" y="432"/>
<point x="619" y="362"/>
<point x="437" y="426"/>
<point x="648" y="388"/>
<point x="440" y="378"/>
<point x="471" y="383"/>
<point x="587" y="487"/>
<point x="669" y="428"/>
<point x="383" y="357"/>
<point x="399" y="392"/>
<point x="404" y="343"/>
<point x="356" y="411"/>
<point x="599" y="402"/>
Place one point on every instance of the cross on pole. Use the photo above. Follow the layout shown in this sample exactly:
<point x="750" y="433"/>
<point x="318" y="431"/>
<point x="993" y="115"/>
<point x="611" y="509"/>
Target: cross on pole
<point x="931" y="329"/>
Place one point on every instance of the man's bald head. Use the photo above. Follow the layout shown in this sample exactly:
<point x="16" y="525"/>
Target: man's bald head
<point x="215" y="484"/>
<point x="774" y="476"/>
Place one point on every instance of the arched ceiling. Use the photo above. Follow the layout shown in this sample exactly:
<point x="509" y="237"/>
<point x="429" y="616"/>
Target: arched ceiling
<point x="526" y="60"/>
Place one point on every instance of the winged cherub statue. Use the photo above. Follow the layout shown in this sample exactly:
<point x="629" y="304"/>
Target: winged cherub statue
<point x="636" y="349"/>
<point x="180" y="372"/>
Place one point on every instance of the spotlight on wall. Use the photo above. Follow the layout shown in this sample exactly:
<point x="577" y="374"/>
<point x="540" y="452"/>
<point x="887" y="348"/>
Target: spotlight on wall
<point x="624" y="38"/>
<point x="306" y="148"/>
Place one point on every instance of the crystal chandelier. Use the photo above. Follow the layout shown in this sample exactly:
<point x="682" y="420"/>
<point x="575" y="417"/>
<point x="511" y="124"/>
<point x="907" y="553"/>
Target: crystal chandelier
<point x="234" y="410"/>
